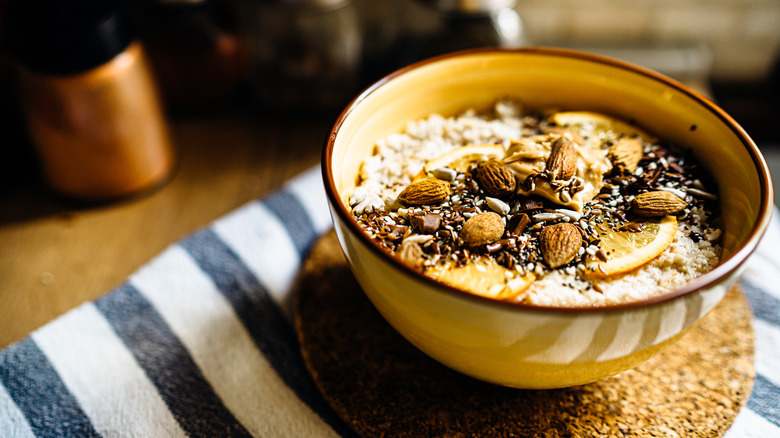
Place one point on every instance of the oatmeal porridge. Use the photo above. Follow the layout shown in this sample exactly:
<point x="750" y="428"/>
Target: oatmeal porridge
<point x="553" y="208"/>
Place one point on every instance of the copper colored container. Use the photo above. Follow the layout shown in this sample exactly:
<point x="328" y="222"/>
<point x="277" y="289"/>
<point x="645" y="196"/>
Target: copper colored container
<point x="99" y="134"/>
<point x="93" y="110"/>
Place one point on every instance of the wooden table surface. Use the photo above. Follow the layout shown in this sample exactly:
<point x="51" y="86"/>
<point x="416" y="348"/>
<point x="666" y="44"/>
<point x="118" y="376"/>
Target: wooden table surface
<point x="55" y="254"/>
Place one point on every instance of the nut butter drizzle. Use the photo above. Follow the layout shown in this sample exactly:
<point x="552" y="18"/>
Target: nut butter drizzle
<point x="647" y="180"/>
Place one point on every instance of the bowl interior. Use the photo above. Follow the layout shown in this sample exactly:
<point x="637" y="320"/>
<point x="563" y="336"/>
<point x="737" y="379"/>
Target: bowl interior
<point x="544" y="78"/>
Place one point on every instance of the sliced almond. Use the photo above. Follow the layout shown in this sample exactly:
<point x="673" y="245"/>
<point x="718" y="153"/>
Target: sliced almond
<point x="626" y="153"/>
<point x="425" y="192"/>
<point x="559" y="130"/>
<point x="495" y="178"/>
<point x="562" y="163"/>
<point x="657" y="203"/>
<point x="482" y="229"/>
<point x="411" y="254"/>
<point x="559" y="244"/>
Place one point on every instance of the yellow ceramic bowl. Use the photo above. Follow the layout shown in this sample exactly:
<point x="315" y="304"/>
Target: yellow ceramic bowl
<point x="536" y="347"/>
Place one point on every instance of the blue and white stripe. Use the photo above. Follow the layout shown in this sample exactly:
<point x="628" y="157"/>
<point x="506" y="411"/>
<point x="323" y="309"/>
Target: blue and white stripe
<point x="761" y="282"/>
<point x="199" y="342"/>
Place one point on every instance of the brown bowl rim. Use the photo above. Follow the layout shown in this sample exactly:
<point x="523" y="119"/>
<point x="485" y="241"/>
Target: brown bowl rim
<point x="733" y="262"/>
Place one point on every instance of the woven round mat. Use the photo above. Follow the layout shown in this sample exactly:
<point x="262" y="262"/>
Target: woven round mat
<point x="381" y="385"/>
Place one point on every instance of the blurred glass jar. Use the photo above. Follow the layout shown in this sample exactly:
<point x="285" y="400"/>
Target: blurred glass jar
<point x="305" y="54"/>
<point x="196" y="48"/>
<point x="469" y="24"/>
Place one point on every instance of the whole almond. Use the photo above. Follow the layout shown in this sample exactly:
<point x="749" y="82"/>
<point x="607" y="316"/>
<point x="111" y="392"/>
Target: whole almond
<point x="482" y="229"/>
<point x="626" y="153"/>
<point x="495" y="178"/>
<point x="559" y="244"/>
<point x="425" y="192"/>
<point x="657" y="203"/>
<point x="562" y="163"/>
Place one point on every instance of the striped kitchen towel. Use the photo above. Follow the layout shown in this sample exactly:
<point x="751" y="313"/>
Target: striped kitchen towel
<point x="199" y="342"/>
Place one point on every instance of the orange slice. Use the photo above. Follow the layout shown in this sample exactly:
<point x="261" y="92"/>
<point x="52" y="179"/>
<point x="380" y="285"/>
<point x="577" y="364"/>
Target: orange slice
<point x="587" y="122"/>
<point x="461" y="158"/>
<point x="483" y="277"/>
<point x="628" y="250"/>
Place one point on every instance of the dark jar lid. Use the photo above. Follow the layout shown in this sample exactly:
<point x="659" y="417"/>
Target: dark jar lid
<point x="65" y="37"/>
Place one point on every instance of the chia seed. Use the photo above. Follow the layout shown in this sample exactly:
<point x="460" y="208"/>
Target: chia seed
<point x="663" y="167"/>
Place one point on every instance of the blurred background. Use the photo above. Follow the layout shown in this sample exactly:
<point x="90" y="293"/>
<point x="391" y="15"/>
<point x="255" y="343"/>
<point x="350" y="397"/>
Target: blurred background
<point x="313" y="56"/>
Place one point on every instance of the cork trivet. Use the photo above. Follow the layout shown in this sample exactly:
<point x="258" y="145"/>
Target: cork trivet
<point x="381" y="385"/>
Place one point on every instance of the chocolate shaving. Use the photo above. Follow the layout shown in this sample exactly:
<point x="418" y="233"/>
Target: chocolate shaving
<point x="621" y="214"/>
<point x="634" y="227"/>
<point x="529" y="203"/>
<point x="473" y="186"/>
<point x="493" y="248"/>
<point x="397" y="232"/>
<point x="676" y="167"/>
<point x="425" y="223"/>
<point x="518" y="223"/>
<point x="656" y="175"/>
